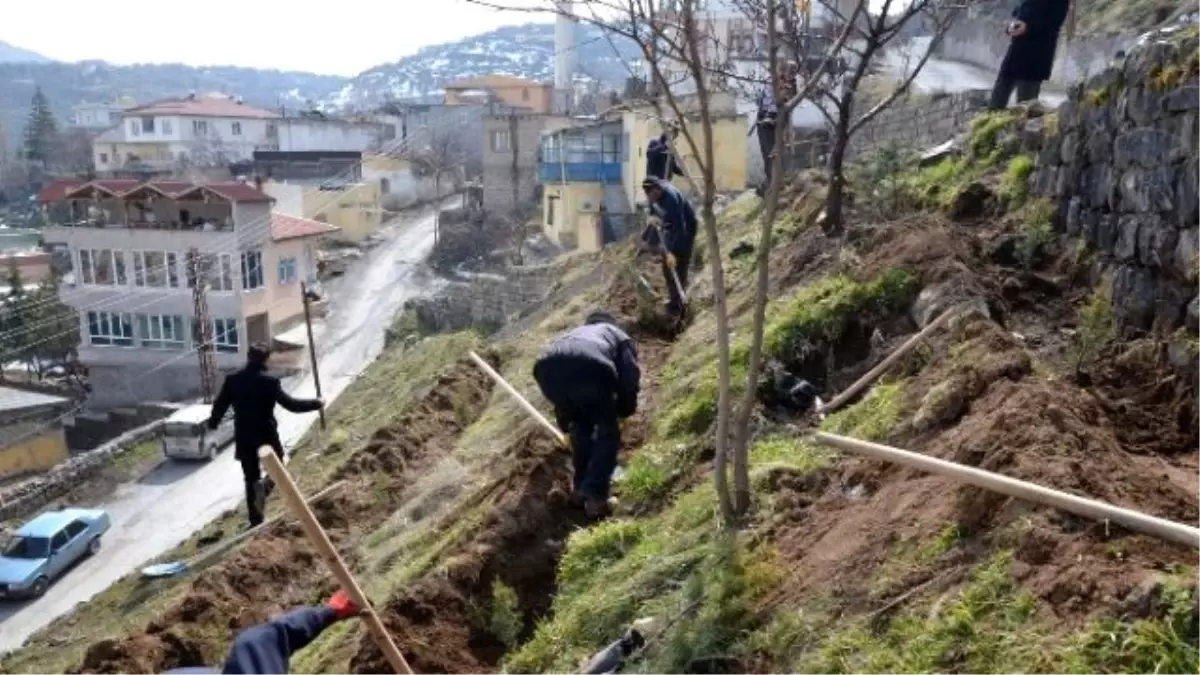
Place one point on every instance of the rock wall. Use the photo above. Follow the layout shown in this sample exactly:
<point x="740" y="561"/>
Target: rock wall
<point x="977" y="37"/>
<point x="27" y="498"/>
<point x="483" y="301"/>
<point x="1123" y="166"/>
<point x="919" y="122"/>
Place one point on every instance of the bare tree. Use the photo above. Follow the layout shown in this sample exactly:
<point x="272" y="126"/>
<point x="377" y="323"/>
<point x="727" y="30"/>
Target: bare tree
<point x="438" y="153"/>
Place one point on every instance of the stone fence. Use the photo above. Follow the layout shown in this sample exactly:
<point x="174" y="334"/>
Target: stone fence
<point x="31" y="496"/>
<point x="919" y="122"/>
<point x="485" y="300"/>
<point x="977" y="37"/>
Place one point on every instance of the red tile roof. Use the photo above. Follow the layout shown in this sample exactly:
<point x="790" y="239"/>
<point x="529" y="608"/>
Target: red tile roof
<point x="175" y="189"/>
<point x="203" y="106"/>
<point x="284" y="227"/>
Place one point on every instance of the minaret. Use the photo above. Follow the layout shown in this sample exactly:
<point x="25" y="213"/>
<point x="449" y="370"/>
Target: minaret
<point x="565" y="55"/>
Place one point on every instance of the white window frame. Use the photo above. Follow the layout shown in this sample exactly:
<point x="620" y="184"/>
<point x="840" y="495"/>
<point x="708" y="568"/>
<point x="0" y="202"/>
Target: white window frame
<point x="497" y="136"/>
<point x="288" y="270"/>
<point x="135" y="128"/>
<point x="235" y="128"/>
<point x="253" y="277"/>
<point x="148" y="125"/>
<point x="167" y="127"/>
<point x="167" y="273"/>
<point x="200" y="127"/>
<point x="220" y="274"/>
<point x="222" y="329"/>
<point x="162" y="331"/>
<point x="115" y="329"/>
<point x="87" y="267"/>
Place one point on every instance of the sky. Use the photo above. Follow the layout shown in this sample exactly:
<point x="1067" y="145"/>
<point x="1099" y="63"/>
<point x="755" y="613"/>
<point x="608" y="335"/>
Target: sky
<point x="337" y="38"/>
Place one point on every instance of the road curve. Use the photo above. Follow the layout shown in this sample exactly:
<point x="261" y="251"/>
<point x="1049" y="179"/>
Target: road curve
<point x="166" y="506"/>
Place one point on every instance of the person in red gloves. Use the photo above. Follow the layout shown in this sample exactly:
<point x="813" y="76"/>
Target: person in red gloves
<point x="268" y="647"/>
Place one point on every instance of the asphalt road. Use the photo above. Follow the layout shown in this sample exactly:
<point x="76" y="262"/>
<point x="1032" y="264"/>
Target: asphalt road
<point x="166" y="506"/>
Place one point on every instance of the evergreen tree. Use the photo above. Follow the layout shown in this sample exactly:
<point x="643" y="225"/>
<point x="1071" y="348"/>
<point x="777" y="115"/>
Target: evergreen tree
<point x="41" y="131"/>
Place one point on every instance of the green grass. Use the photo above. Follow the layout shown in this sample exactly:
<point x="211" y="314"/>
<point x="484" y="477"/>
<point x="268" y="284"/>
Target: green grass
<point x="1014" y="184"/>
<point x="129" y="604"/>
<point x="872" y="418"/>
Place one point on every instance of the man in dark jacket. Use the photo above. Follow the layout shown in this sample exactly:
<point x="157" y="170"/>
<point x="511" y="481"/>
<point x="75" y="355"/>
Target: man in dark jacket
<point x="253" y="394"/>
<point x="660" y="161"/>
<point x="591" y="377"/>
<point x="268" y="647"/>
<point x="678" y="236"/>
<point x="1034" y="31"/>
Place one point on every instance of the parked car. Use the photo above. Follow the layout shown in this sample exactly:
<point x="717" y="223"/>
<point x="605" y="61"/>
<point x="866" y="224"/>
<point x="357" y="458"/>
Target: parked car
<point x="45" y="547"/>
<point x="186" y="434"/>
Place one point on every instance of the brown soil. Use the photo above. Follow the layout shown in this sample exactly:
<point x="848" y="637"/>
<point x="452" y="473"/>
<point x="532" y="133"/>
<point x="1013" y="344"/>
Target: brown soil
<point x="278" y="570"/>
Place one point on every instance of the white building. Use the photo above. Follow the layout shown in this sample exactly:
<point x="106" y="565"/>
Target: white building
<point x="214" y="130"/>
<point x="97" y="116"/>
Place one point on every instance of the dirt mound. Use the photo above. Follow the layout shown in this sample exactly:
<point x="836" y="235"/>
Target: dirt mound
<point x="277" y="570"/>
<point x="443" y="621"/>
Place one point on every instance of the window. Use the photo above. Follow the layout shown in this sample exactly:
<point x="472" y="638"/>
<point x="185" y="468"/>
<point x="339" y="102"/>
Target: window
<point x="161" y="331"/>
<point x="287" y="271"/>
<point x="167" y="127"/>
<point x="252" y="270"/>
<point x="225" y="335"/>
<point x="110" y="329"/>
<point x="500" y="141"/>
<point x="155" y="269"/>
<point x="59" y="541"/>
<point x="76" y="528"/>
<point x="148" y="125"/>
<point x="104" y="158"/>
<point x="200" y="127"/>
<point x="102" y="267"/>
<point x="551" y="207"/>
<point x="610" y="148"/>
<point x="135" y="129"/>
<point x="236" y="128"/>
<point x="220" y="273"/>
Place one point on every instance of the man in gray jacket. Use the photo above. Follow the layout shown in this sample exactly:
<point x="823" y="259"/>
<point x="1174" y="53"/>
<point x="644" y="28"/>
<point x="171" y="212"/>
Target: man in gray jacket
<point x="591" y="376"/>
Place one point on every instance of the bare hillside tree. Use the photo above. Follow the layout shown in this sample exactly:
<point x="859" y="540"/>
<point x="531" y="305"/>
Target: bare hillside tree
<point x="438" y="153"/>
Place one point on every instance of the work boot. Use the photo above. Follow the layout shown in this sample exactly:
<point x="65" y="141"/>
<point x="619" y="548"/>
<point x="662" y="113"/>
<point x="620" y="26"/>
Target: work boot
<point x="576" y="499"/>
<point x="598" y="508"/>
<point x="260" y="497"/>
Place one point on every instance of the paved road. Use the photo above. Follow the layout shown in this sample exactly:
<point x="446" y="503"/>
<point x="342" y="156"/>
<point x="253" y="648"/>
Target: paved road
<point x="166" y="506"/>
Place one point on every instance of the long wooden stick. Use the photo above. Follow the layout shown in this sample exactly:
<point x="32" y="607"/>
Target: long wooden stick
<point x="873" y="374"/>
<point x="316" y="535"/>
<point x="521" y="400"/>
<point x="1088" y="508"/>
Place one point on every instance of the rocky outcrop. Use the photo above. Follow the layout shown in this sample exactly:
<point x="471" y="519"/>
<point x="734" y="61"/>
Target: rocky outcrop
<point x="1123" y="166"/>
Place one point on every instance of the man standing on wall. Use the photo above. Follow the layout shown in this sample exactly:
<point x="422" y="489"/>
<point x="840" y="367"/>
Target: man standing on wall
<point x="1033" y="33"/>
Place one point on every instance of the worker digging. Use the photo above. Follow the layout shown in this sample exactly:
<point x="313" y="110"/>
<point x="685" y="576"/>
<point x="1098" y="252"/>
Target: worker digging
<point x="591" y="376"/>
<point x="674" y="239"/>
<point x="253" y="394"/>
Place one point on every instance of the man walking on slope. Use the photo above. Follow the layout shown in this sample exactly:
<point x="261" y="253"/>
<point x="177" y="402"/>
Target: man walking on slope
<point x="268" y="647"/>
<point x="253" y="394"/>
<point x="590" y="375"/>
<point x="678" y="236"/>
<point x="1033" y="31"/>
<point x="660" y="161"/>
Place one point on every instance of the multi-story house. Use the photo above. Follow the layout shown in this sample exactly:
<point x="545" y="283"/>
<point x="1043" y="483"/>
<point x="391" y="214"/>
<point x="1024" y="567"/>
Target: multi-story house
<point x="536" y="96"/>
<point x="510" y="157"/>
<point x="130" y="244"/>
<point x="216" y="130"/>
<point x="98" y="116"/>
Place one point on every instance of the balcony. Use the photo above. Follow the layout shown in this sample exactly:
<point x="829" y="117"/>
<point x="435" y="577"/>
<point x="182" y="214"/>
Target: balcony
<point x="581" y="172"/>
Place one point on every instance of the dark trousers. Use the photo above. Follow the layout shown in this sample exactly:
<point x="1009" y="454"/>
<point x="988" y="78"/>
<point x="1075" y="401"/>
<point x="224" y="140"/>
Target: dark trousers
<point x="252" y="476"/>
<point x="1027" y="90"/>
<point x="766" y="144"/>
<point x="683" y="262"/>
<point x="589" y="408"/>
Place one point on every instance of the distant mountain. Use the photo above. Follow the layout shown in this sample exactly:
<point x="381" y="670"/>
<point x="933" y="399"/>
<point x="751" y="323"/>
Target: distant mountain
<point x="521" y="51"/>
<point x="67" y="84"/>
<point x="14" y="54"/>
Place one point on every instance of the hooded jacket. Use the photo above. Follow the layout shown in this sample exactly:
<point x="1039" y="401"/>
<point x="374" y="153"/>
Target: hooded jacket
<point x="678" y="216"/>
<point x="599" y="349"/>
<point x="659" y="159"/>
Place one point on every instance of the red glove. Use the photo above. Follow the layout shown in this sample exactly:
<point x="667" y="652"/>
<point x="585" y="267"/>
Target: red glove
<point x="343" y="607"/>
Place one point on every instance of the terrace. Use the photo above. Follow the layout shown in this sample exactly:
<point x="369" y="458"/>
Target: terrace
<point x="158" y="205"/>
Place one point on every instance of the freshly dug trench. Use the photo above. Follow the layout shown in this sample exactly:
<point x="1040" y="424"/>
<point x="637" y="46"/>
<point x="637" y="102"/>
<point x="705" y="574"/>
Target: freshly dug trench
<point x="278" y="570"/>
<point x="441" y="622"/>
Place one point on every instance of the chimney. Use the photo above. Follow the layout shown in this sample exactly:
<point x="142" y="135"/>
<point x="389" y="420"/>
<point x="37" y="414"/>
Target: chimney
<point x="191" y="96"/>
<point x="258" y="182"/>
<point x="237" y="100"/>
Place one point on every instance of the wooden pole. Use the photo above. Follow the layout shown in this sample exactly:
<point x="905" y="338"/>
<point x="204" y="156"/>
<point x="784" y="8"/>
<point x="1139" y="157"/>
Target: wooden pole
<point x="521" y="400"/>
<point x="849" y="393"/>
<point x="312" y="348"/>
<point x="316" y="535"/>
<point x="1088" y="508"/>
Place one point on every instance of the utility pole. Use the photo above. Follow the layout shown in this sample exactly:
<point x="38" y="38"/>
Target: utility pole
<point x="198" y="276"/>
<point x="308" y="297"/>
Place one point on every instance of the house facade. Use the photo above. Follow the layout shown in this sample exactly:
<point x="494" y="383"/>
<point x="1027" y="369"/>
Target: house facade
<point x="508" y="136"/>
<point x="98" y="116"/>
<point x="582" y="168"/>
<point x="213" y="130"/>
<point x="32" y="435"/>
<point x="131" y="244"/>
<point x="514" y="91"/>
<point x="327" y="186"/>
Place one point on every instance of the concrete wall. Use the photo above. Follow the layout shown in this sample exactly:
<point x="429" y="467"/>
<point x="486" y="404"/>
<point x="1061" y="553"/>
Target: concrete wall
<point x="575" y="218"/>
<point x="38" y="449"/>
<point x="729" y="145"/>
<point x="485" y="300"/>
<point x="282" y="301"/>
<point x="919" y="123"/>
<point x="357" y="210"/>
<point x="497" y="163"/>
<point x="977" y="37"/>
<point x="116" y="386"/>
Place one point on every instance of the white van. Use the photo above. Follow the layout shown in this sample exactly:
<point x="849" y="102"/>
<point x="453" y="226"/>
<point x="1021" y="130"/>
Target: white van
<point x="186" y="434"/>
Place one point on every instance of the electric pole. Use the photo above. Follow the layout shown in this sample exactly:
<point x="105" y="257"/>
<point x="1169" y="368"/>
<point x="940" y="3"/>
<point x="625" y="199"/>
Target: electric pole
<point x="198" y="277"/>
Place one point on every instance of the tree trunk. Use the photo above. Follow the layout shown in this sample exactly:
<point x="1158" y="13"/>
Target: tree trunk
<point x="437" y="207"/>
<point x="720" y="458"/>
<point x="836" y="197"/>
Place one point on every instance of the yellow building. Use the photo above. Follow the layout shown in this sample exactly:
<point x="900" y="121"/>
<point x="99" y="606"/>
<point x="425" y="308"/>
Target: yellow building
<point x="536" y="96"/>
<point x="355" y="208"/>
<point x="31" y="431"/>
<point x="582" y="171"/>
